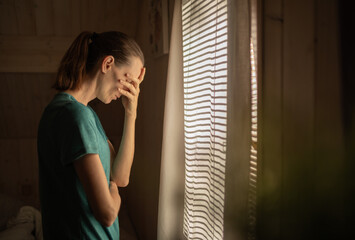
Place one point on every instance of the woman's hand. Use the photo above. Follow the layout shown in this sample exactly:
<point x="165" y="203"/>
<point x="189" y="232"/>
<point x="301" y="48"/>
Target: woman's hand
<point x="130" y="96"/>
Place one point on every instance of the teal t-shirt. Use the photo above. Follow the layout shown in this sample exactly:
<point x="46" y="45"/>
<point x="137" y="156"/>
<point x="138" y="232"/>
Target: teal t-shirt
<point x="67" y="131"/>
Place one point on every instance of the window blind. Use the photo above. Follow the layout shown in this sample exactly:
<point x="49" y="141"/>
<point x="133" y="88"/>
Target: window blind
<point x="253" y="173"/>
<point x="253" y="147"/>
<point x="204" y="30"/>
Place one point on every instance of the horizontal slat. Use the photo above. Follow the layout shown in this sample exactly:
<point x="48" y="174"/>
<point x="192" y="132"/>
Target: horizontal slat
<point x="197" y="152"/>
<point x="204" y="122"/>
<point x="196" y="231"/>
<point x="217" y="107"/>
<point x="215" y="119"/>
<point x="207" y="188"/>
<point x="210" y="53"/>
<point x="199" y="214"/>
<point x="205" y="31"/>
<point x="205" y="95"/>
<point x="213" y="48"/>
<point x="198" y="131"/>
<point x="216" y="101"/>
<point x="214" y="38"/>
<point x="191" y="5"/>
<point x="205" y="213"/>
<point x="203" y="140"/>
<point x="206" y="61"/>
<point x="206" y="88"/>
<point x="204" y="79"/>
<point x="209" y="20"/>
<point x="202" y="203"/>
<point x="220" y="149"/>
<point x="204" y="11"/>
<point x="206" y="158"/>
<point x="221" y="114"/>
<point x="211" y="113"/>
<point x="208" y="204"/>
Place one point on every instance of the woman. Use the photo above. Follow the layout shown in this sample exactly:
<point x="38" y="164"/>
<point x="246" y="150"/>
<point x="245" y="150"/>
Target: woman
<point x="79" y="199"/>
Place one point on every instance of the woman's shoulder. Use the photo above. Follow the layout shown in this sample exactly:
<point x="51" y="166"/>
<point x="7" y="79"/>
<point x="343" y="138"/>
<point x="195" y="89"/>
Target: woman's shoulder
<point x="67" y="107"/>
<point x="79" y="111"/>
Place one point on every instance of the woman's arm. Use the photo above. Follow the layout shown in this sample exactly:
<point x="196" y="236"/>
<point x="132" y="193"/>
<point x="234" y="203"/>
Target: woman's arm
<point x="121" y="167"/>
<point x="105" y="202"/>
<point x="122" y="163"/>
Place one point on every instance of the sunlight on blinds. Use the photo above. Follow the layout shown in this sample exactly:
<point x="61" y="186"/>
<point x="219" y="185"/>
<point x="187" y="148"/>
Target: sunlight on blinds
<point x="205" y="116"/>
<point x="253" y="148"/>
<point x="254" y="122"/>
<point x="253" y="173"/>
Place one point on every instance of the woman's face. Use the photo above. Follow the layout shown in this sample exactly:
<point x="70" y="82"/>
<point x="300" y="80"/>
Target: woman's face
<point x="109" y="90"/>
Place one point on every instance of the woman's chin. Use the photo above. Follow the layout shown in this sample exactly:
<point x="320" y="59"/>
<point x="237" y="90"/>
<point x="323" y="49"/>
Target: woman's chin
<point x="113" y="99"/>
<point x="107" y="101"/>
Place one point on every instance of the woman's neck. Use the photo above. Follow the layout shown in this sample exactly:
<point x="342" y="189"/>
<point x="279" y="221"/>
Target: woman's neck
<point x="86" y="92"/>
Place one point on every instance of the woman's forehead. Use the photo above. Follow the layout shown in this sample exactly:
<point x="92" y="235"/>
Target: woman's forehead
<point x="135" y="67"/>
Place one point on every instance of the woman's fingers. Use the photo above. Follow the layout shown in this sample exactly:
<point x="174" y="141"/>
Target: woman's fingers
<point x="138" y="80"/>
<point x="130" y="86"/>
<point x="134" y="81"/>
<point x="126" y="94"/>
<point x="131" y="92"/>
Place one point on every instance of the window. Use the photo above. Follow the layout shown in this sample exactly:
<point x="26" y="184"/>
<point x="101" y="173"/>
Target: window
<point x="204" y="30"/>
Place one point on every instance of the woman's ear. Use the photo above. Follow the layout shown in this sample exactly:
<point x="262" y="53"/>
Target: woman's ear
<point x="107" y="63"/>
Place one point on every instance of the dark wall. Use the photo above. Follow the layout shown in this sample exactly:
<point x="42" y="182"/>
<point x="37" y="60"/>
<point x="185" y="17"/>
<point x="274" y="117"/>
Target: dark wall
<point x="305" y="182"/>
<point x="347" y="48"/>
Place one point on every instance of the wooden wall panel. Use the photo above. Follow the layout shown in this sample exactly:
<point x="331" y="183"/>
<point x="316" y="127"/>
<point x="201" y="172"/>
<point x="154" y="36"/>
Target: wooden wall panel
<point x="111" y="17"/>
<point x="23" y="97"/>
<point x="66" y="15"/>
<point x="19" y="169"/>
<point x="298" y="118"/>
<point x="44" y="17"/>
<point x="8" y="21"/>
<point x="126" y="21"/>
<point x="24" y="24"/>
<point x="75" y="10"/>
<point x="93" y="14"/>
<point x="62" y="17"/>
<point x="270" y="164"/>
<point x="9" y="167"/>
<point x="301" y="185"/>
<point x="32" y="54"/>
<point x="25" y="17"/>
<point x="329" y="143"/>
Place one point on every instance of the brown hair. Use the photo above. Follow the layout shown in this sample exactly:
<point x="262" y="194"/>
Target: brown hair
<point x="87" y="50"/>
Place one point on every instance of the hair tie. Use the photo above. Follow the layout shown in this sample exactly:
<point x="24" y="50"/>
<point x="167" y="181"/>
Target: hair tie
<point x="94" y="36"/>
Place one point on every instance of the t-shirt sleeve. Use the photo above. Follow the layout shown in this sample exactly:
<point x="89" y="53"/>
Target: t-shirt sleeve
<point x="79" y="137"/>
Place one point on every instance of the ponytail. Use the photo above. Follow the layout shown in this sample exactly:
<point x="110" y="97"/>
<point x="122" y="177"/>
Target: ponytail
<point x="87" y="50"/>
<point x="72" y="67"/>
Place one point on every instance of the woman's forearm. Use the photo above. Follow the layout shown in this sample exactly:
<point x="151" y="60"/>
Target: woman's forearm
<point x="121" y="167"/>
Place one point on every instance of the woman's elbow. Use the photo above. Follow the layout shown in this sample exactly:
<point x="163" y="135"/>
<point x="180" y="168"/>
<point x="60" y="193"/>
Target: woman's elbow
<point x="122" y="182"/>
<point x="106" y="219"/>
<point x="108" y="222"/>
